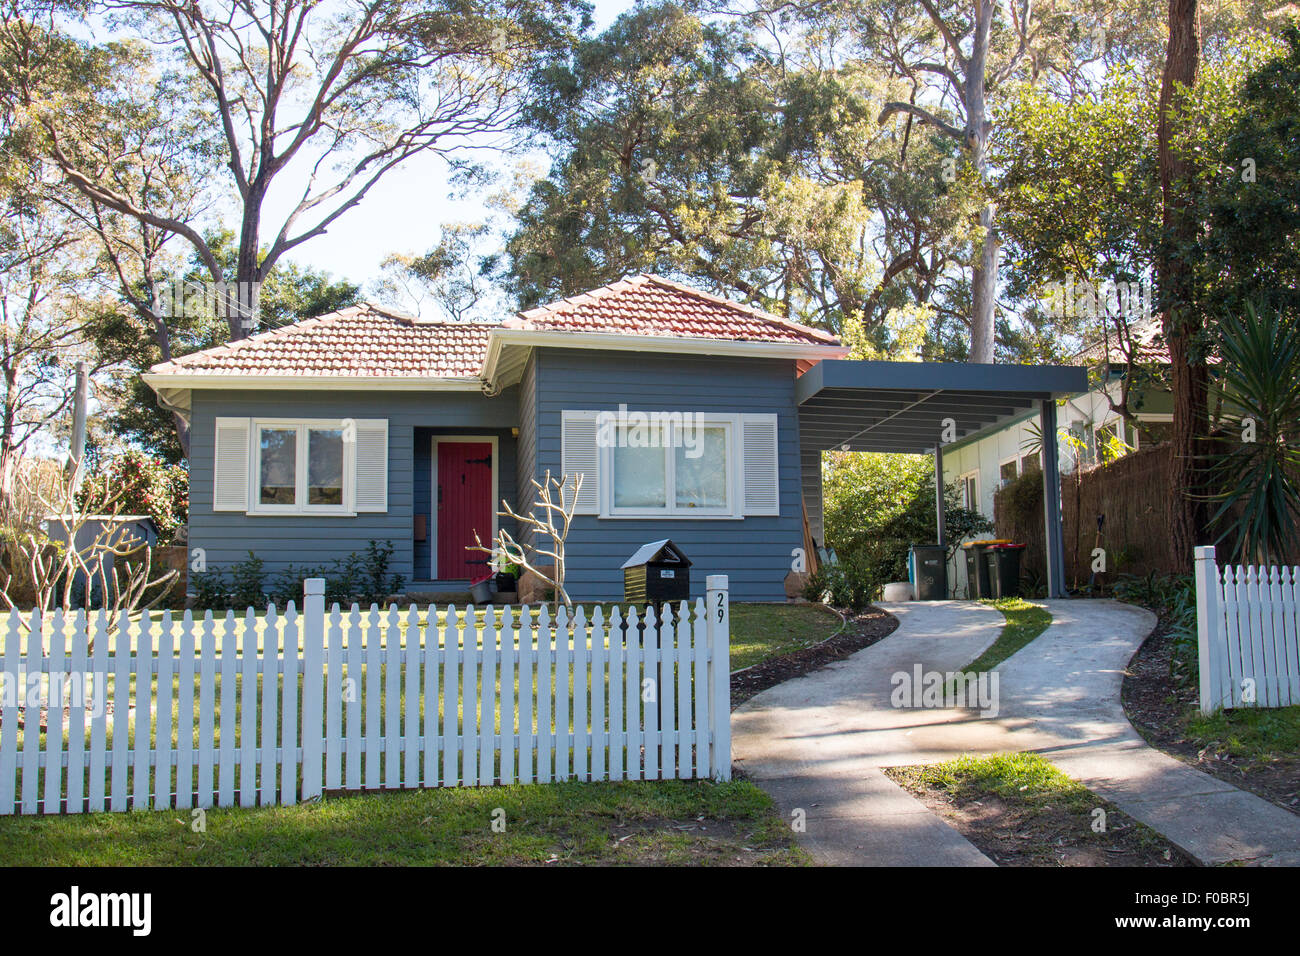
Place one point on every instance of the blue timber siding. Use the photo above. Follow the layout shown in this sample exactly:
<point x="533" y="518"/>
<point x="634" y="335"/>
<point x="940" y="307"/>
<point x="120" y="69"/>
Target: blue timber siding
<point x="303" y="540"/>
<point x="753" y="552"/>
<point x="527" y="444"/>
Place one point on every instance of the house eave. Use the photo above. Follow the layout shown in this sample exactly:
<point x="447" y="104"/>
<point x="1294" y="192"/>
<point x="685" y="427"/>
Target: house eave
<point x="501" y="372"/>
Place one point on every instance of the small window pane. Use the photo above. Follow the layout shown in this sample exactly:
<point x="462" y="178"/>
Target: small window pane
<point x="701" y="468"/>
<point x="640" y="475"/>
<point x="1029" y="463"/>
<point x="278" y="477"/>
<point x="325" y="466"/>
<point x="1007" y="472"/>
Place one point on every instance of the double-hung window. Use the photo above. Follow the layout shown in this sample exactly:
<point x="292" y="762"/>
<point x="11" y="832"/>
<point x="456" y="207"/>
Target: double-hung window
<point x="683" y="466"/>
<point x="301" y="467"/>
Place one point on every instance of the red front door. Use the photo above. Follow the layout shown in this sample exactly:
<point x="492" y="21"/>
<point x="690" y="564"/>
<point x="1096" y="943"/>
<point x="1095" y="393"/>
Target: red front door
<point x="464" y="505"/>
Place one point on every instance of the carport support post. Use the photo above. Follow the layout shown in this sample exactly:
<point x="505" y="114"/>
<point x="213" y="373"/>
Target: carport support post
<point x="1055" y="546"/>
<point x="941" y="529"/>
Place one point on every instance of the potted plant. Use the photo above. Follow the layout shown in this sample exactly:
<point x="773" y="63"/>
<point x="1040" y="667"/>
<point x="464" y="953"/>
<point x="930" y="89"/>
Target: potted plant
<point x="507" y="576"/>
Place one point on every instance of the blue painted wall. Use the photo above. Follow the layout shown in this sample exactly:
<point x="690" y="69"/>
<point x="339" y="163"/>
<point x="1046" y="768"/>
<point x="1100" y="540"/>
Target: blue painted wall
<point x="227" y="537"/>
<point x="753" y="552"/>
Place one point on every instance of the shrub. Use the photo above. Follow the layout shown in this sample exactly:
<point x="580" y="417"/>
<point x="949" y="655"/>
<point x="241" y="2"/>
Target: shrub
<point x="1173" y="598"/>
<point x="361" y="577"/>
<point x="150" y="487"/>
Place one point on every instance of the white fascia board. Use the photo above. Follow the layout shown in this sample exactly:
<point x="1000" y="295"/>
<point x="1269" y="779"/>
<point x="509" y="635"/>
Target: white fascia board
<point x="606" y="341"/>
<point x="179" y="380"/>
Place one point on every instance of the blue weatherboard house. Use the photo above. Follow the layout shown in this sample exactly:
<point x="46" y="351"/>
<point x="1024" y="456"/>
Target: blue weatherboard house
<point x="678" y="408"/>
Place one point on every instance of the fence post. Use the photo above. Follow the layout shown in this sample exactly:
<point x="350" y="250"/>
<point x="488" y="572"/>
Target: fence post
<point x="313" y="673"/>
<point x="1207" y="624"/>
<point x="717" y="608"/>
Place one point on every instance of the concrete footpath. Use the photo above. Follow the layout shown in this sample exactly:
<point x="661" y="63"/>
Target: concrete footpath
<point x="816" y="743"/>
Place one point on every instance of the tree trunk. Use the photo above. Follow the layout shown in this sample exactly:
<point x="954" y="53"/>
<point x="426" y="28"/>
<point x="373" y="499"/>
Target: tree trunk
<point x="984" y="273"/>
<point x="1174" y="277"/>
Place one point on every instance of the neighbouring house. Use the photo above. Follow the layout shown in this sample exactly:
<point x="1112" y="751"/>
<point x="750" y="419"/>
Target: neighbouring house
<point x="309" y="441"/>
<point x="1091" y="432"/>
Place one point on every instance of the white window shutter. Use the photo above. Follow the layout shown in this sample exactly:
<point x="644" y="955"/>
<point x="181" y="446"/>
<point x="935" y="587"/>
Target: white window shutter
<point x="370" y="465"/>
<point x="760" y="466"/>
<point x="230" y="455"/>
<point x="580" y="455"/>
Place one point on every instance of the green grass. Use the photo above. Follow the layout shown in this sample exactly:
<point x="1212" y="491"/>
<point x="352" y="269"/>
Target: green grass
<point x="760" y="632"/>
<point x="1024" y="777"/>
<point x="1025" y="622"/>
<point x="1254" y="733"/>
<point x="636" y="823"/>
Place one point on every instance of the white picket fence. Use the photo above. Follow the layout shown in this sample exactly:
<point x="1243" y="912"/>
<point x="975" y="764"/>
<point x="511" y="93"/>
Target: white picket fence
<point x="291" y="705"/>
<point x="1248" y="634"/>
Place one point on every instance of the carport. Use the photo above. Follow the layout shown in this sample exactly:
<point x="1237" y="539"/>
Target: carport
<point x="919" y="407"/>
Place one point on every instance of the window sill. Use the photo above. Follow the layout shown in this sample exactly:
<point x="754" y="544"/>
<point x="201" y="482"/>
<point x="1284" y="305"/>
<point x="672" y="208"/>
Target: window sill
<point x="301" y="514"/>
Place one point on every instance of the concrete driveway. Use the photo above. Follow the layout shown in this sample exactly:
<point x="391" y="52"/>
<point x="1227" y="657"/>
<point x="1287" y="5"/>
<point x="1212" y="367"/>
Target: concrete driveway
<point x="816" y="743"/>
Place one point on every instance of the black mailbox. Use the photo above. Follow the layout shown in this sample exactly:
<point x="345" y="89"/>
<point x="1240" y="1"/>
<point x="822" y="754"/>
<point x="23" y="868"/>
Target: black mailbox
<point x="658" y="572"/>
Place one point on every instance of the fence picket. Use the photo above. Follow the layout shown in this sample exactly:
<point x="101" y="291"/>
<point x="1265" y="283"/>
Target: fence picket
<point x="545" y="732"/>
<point x="33" y="654"/>
<point x="268" y="783"/>
<point x="228" y="733"/>
<point x="81" y="686"/>
<point x="632" y="695"/>
<point x="468" y="699"/>
<point x="527" y="677"/>
<point x="432" y="657"/>
<point x="450" y="695"/>
<point x="334" y="702"/>
<point x="373" y="672"/>
<point x="508" y="694"/>
<point x="184" y="718"/>
<point x="57" y="661"/>
<point x="682" y="656"/>
<point x="1291" y="637"/>
<point x="13" y="691"/>
<point x="617" y="731"/>
<point x="487" y="699"/>
<point x="580" y="675"/>
<point x="248" y="712"/>
<point x="207" y="667"/>
<point x="411" y="725"/>
<point x="650" y="683"/>
<point x="351" y="693"/>
<point x="667" y="696"/>
<point x="95" y="787"/>
<point x="393" y="699"/>
<point x="162" y="771"/>
<point x="581" y="696"/>
<point x="599" y="731"/>
<point x="563" y="681"/>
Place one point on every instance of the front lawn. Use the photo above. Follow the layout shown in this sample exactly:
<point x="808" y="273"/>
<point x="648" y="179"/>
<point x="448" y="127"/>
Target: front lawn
<point x="760" y="632"/>
<point x="670" y="822"/>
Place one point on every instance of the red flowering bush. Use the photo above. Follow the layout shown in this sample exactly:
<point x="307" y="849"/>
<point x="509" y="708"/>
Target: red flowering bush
<point x="152" y="488"/>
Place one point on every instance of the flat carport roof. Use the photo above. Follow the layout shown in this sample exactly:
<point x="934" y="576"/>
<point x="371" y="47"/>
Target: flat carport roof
<point x="919" y="407"/>
<point x="905" y="406"/>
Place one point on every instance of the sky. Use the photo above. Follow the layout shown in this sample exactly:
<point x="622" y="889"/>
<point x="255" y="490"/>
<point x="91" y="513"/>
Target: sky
<point x="401" y="214"/>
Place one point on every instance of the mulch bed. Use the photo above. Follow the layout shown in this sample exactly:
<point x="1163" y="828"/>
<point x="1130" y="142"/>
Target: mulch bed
<point x="1156" y="706"/>
<point x="1011" y="834"/>
<point x="863" y="630"/>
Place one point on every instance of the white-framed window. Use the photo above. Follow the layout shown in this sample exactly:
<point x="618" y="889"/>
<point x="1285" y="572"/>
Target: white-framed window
<point x="1030" y="462"/>
<point x="1008" y="471"/>
<point x="301" y="467"/>
<point x="668" y="468"/>
<point x="968" y="485"/>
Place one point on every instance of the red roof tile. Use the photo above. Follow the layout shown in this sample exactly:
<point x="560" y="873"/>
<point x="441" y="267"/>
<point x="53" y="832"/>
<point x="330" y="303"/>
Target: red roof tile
<point x="651" y="305"/>
<point x="361" y="341"/>
<point x="369" y="340"/>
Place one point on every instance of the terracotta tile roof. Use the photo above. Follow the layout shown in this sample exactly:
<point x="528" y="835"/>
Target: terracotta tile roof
<point x="370" y="340"/>
<point x="361" y="341"/>
<point x="652" y="305"/>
